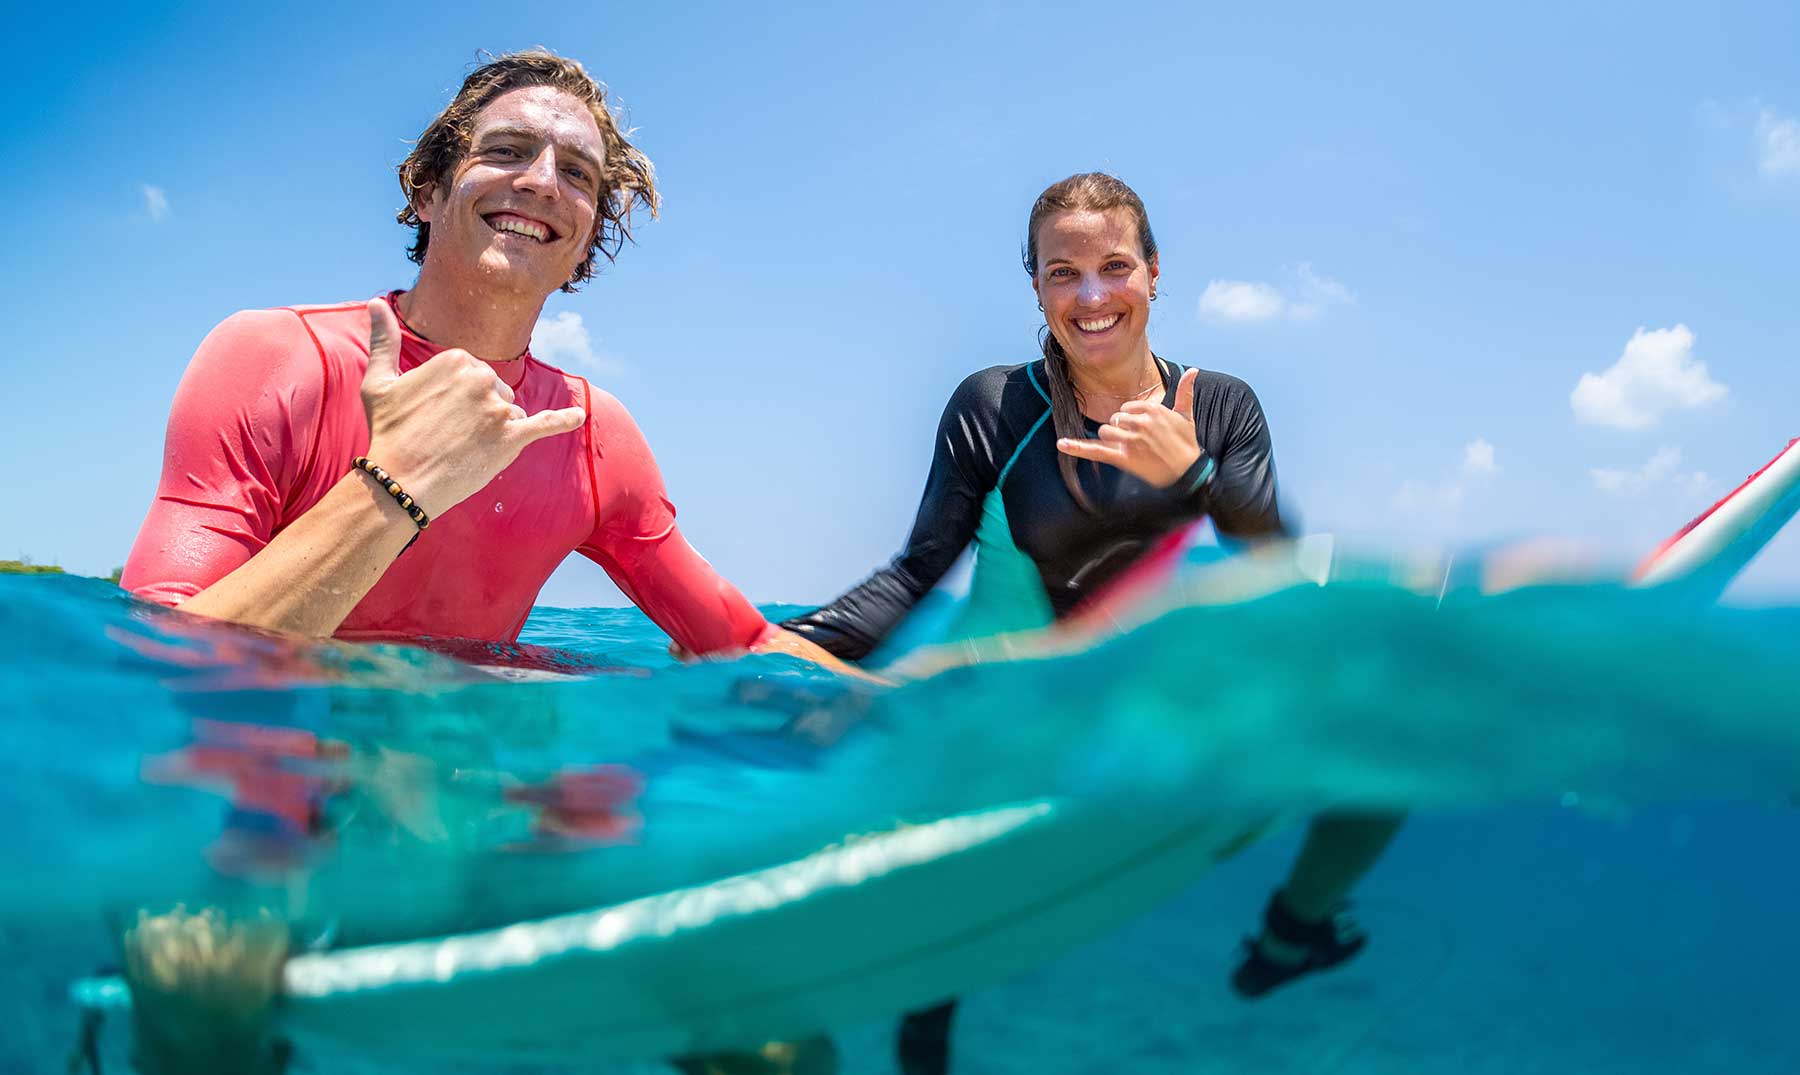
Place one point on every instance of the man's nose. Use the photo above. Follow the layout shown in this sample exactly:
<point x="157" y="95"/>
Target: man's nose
<point x="540" y="173"/>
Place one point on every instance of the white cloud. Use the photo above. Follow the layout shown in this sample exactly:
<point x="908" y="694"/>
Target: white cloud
<point x="562" y="340"/>
<point x="1660" y="471"/>
<point x="1317" y="291"/>
<point x="1240" y="302"/>
<point x="1248" y="302"/>
<point x="1778" y="144"/>
<point x="1478" y="463"/>
<point x="1478" y="458"/>
<point x="1657" y="374"/>
<point x="156" y="202"/>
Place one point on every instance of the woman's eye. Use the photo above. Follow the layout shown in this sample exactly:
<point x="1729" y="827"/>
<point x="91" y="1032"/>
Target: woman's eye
<point x="1064" y="271"/>
<point x="1111" y="265"/>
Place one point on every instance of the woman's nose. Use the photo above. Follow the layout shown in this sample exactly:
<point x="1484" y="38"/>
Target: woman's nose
<point x="1092" y="291"/>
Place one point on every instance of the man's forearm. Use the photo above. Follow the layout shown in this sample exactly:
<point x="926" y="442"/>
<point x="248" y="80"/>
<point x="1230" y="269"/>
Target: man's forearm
<point x="315" y="571"/>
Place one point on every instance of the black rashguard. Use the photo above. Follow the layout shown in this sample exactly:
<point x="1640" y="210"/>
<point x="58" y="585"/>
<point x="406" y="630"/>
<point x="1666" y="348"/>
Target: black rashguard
<point x="997" y="439"/>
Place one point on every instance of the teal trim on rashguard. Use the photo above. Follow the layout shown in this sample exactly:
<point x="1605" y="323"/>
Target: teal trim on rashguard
<point x="1206" y="473"/>
<point x="1020" y="450"/>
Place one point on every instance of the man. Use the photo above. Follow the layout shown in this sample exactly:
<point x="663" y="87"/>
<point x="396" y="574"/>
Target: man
<point x="262" y="517"/>
<point x="434" y="501"/>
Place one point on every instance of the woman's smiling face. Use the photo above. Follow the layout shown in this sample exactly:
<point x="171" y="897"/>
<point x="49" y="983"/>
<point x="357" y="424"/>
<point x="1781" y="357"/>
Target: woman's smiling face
<point x="1095" y="285"/>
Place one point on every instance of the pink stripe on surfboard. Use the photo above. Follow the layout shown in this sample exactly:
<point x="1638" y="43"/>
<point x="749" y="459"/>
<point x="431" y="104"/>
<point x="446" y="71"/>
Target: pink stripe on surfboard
<point x="1150" y="573"/>
<point x="1663" y="549"/>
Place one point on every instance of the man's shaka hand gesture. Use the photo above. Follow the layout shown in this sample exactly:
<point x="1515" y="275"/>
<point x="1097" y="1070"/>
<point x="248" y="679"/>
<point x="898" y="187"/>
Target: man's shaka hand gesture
<point x="446" y="427"/>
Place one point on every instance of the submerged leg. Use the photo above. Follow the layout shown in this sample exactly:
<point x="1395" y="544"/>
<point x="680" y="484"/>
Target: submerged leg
<point x="923" y="1047"/>
<point x="86" y="1055"/>
<point x="203" y="990"/>
<point x="1304" y="927"/>
<point x="1340" y="849"/>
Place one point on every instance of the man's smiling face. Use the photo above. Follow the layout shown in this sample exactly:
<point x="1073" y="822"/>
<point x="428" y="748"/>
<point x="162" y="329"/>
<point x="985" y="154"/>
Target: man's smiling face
<point x="518" y="211"/>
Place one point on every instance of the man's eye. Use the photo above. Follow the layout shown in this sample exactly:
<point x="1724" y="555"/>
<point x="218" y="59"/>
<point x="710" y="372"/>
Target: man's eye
<point x="503" y="151"/>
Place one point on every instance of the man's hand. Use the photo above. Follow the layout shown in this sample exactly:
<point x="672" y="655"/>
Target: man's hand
<point x="785" y="641"/>
<point x="444" y="429"/>
<point x="1146" y="439"/>
<point x="782" y="640"/>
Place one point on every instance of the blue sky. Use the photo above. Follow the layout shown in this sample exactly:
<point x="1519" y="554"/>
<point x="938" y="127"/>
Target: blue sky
<point x="1494" y="273"/>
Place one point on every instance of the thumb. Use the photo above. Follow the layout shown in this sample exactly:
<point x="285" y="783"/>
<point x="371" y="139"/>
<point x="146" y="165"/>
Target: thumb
<point x="547" y="423"/>
<point x="1184" y="394"/>
<point x="384" y="343"/>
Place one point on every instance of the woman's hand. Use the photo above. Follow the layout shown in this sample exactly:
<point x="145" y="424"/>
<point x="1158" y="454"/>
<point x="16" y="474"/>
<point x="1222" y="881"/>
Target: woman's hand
<point x="1146" y="439"/>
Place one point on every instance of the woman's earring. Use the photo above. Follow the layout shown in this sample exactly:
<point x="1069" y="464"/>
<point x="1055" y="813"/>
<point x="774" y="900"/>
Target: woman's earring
<point x="1040" y="307"/>
<point x="1152" y="296"/>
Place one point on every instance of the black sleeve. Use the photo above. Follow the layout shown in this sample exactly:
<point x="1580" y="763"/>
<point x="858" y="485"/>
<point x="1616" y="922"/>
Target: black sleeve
<point x="962" y="473"/>
<point x="1241" y="497"/>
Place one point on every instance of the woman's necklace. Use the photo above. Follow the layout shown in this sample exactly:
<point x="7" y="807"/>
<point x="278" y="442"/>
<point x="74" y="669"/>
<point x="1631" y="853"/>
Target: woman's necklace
<point x="1154" y="385"/>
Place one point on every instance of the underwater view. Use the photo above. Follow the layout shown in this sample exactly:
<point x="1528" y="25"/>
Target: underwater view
<point x="1600" y="782"/>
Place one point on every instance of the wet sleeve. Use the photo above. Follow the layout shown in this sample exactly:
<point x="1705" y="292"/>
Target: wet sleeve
<point x="245" y="416"/>
<point x="636" y="541"/>
<point x="949" y="514"/>
<point x="1241" y="496"/>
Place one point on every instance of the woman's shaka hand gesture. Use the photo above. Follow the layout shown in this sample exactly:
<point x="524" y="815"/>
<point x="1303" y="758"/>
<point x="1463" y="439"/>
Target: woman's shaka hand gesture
<point x="1147" y="440"/>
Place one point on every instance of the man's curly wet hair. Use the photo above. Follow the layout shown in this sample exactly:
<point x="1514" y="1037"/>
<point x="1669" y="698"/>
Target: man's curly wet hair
<point x="627" y="181"/>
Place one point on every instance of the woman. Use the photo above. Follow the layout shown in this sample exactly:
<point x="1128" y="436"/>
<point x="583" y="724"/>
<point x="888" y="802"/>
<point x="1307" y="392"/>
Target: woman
<point x="1065" y="470"/>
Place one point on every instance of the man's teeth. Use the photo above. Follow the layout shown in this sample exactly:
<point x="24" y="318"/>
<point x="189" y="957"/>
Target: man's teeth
<point x="522" y="227"/>
<point x="1100" y="325"/>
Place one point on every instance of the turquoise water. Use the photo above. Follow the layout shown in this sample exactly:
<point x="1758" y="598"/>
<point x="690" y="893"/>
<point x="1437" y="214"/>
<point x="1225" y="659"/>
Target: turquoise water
<point x="1598" y="876"/>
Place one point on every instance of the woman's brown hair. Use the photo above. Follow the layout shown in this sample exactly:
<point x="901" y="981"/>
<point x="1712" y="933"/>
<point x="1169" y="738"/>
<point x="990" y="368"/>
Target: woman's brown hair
<point x="627" y="179"/>
<point x="1087" y="192"/>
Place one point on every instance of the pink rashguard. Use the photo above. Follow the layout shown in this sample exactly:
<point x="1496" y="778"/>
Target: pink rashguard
<point x="268" y="417"/>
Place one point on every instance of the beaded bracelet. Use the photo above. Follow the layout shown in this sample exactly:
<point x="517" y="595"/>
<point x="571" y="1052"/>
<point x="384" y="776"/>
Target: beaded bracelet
<point x="410" y="506"/>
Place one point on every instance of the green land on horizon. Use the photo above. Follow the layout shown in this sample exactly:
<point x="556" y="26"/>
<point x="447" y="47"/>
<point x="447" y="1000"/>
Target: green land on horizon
<point x="26" y="567"/>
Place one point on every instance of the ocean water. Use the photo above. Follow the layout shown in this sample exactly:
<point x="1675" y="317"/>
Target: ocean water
<point x="1597" y="875"/>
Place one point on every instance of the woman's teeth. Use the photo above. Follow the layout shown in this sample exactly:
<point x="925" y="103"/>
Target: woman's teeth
<point x="1097" y="325"/>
